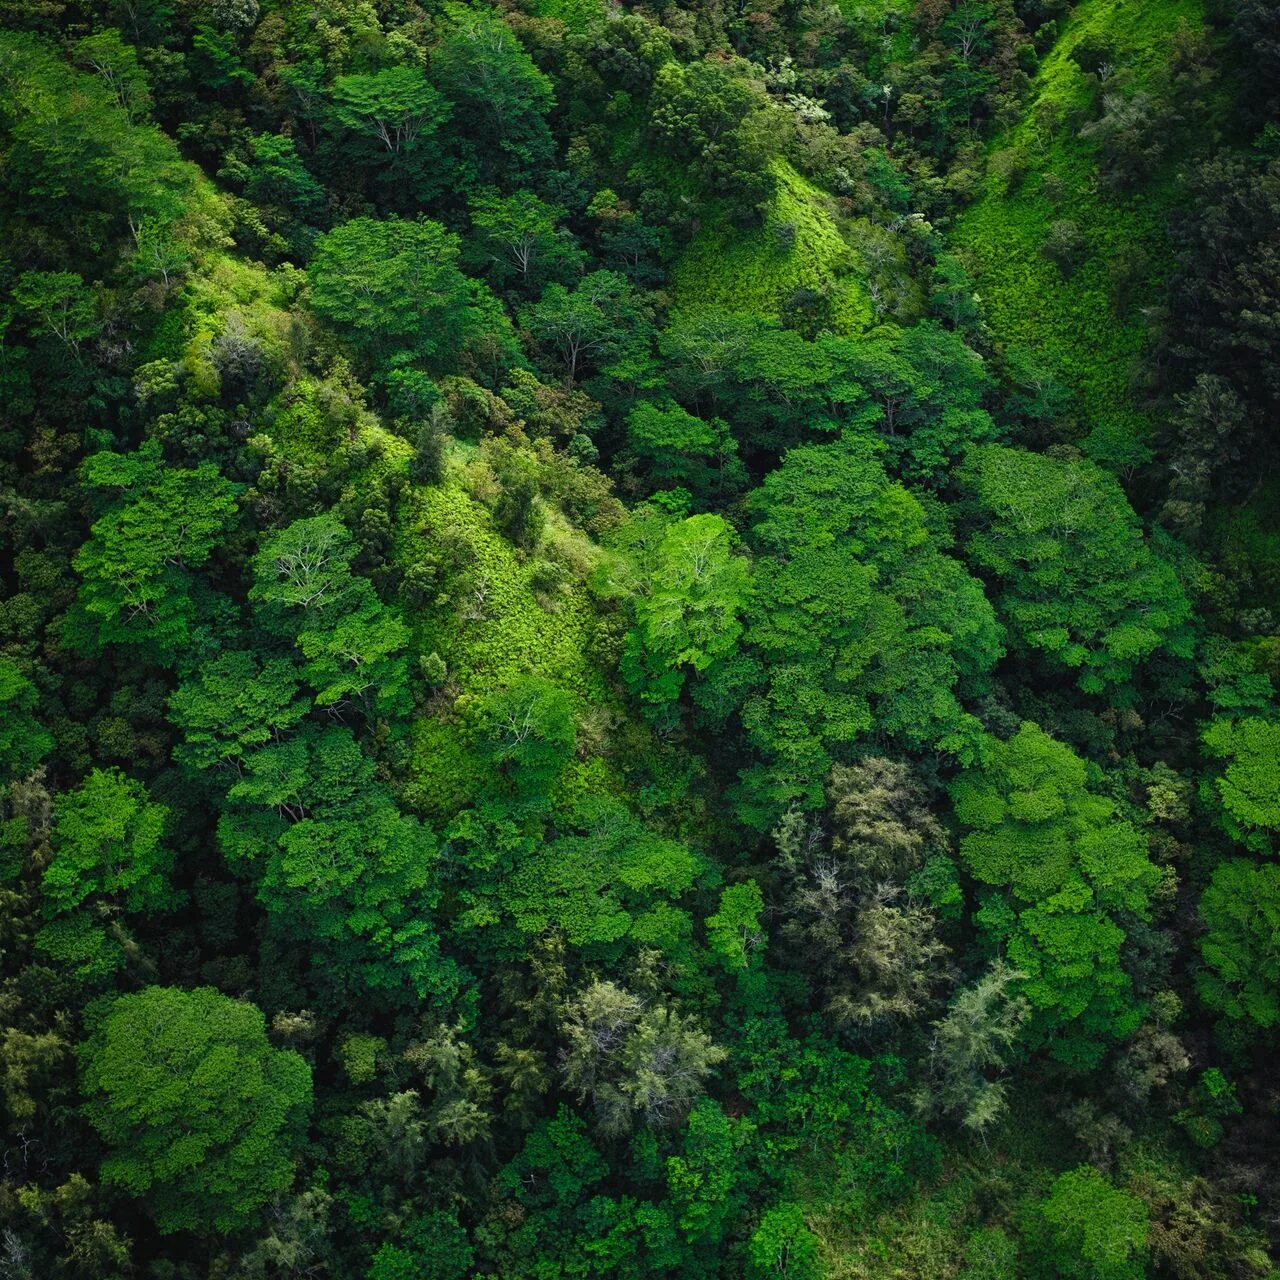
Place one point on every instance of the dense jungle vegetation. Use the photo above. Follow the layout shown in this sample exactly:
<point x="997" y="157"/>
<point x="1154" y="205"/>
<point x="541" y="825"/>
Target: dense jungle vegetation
<point x="639" y="639"/>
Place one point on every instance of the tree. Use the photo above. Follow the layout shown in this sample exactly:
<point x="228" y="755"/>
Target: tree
<point x="783" y="1246"/>
<point x="199" y="1114"/>
<point x="600" y="878"/>
<point x="138" y="586"/>
<point x="1241" y="948"/>
<point x="630" y="1059"/>
<point x="431" y="449"/>
<point x="337" y="864"/>
<point x="705" y="1181"/>
<point x="359" y="655"/>
<point x="389" y="123"/>
<point x="60" y="306"/>
<point x="923" y="391"/>
<point x="714" y="118"/>
<point x="108" y="845"/>
<point x="600" y="324"/>
<point x="303" y="573"/>
<point x="1069" y="867"/>
<point x="24" y="742"/>
<point x="396" y="107"/>
<point x="875" y="957"/>
<point x="234" y="704"/>
<point x="688" y="618"/>
<point x="519" y="238"/>
<point x="976" y="1038"/>
<point x="495" y="87"/>
<point x="108" y="858"/>
<point x="392" y="288"/>
<point x="517" y="512"/>
<point x="857" y="624"/>
<point x="1075" y="579"/>
<point x="1036" y="827"/>
<point x="116" y="63"/>
<point x="527" y="731"/>
<point x="1090" y="1230"/>
<point x="680" y="449"/>
<point x="278" y="179"/>
<point x="433" y="1246"/>
<point x="1248" y="789"/>
<point x="734" y="932"/>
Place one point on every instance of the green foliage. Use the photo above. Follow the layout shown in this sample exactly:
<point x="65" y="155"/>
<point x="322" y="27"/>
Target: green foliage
<point x="1069" y="867"/>
<point x="336" y="863"/>
<point x="109" y="858"/>
<point x="782" y="1245"/>
<point x="1249" y="786"/>
<point x="527" y="733"/>
<point x="975" y="1040"/>
<point x="859" y="621"/>
<point x="392" y="288"/>
<point x="598" y="325"/>
<point x="631" y="1061"/>
<point x="398" y="114"/>
<point x="1087" y="342"/>
<point x="1213" y="1100"/>
<point x="435" y="1247"/>
<point x="595" y="881"/>
<point x="502" y="792"/>
<point x="303" y="572"/>
<point x="358" y="1054"/>
<point x="734" y="932"/>
<point x="108" y="845"/>
<point x="163" y="523"/>
<point x="497" y="90"/>
<point x="925" y="391"/>
<point x="1075" y="578"/>
<point x="706" y="1180"/>
<point x="200" y="1115"/>
<point x="803" y="245"/>
<point x="520" y="239"/>
<point x="234" y="704"/>
<point x="680" y="449"/>
<point x="24" y="742"/>
<point x="1241" y="948"/>
<point x="71" y="142"/>
<point x="1090" y="1230"/>
<point x="688" y="618"/>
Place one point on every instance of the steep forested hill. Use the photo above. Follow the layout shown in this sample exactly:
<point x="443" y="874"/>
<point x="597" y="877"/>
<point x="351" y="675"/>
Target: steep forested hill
<point x="639" y="640"/>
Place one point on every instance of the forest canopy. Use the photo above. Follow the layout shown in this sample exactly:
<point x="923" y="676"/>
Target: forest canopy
<point x="639" y="640"/>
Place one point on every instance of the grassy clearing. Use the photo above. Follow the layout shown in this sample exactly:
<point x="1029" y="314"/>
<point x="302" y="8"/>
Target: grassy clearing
<point x="759" y="271"/>
<point x="577" y="15"/>
<point x="491" y="630"/>
<point x="1072" y="323"/>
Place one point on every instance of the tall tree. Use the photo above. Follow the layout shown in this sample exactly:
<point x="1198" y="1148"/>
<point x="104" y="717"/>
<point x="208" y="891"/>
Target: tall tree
<point x="1074" y="577"/>
<point x="201" y="1117"/>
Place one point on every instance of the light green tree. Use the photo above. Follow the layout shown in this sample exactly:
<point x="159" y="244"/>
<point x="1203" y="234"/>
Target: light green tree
<point x="199" y="1114"/>
<point x="1075" y="579"/>
<point x="392" y="288"/>
<point x="108" y="845"/>
<point x="1247" y="791"/>
<point x="1066" y="865"/>
<point x="1089" y="1230"/>
<point x="688" y="617"/>
<point x="162" y="523"/>
<point x="1241" y="948"/>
